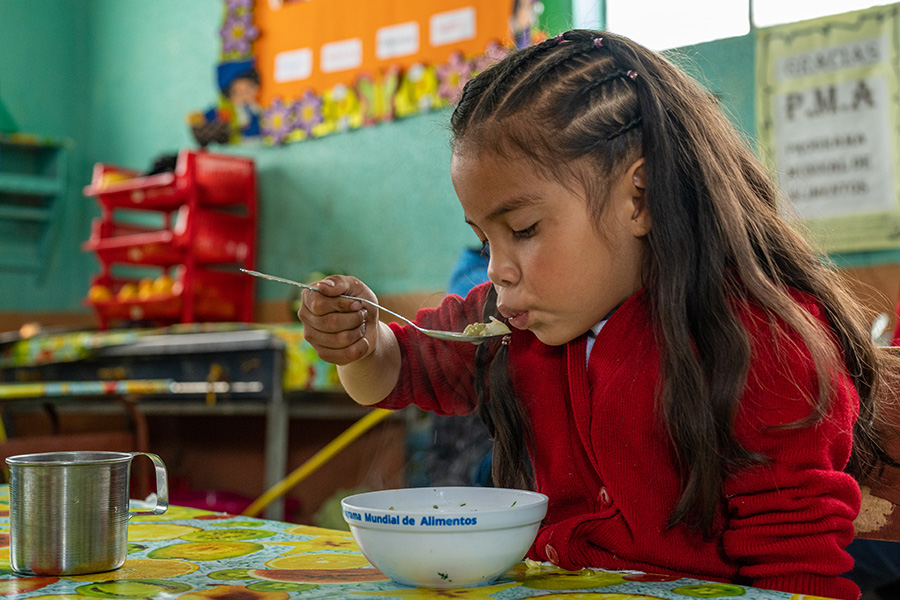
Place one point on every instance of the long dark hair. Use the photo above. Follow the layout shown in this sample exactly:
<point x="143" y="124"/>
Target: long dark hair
<point x="583" y="107"/>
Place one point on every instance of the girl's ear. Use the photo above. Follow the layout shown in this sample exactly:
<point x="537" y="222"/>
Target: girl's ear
<point x="640" y="218"/>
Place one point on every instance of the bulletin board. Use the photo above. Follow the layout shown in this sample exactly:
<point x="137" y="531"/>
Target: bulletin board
<point x="327" y="66"/>
<point x="828" y="124"/>
<point x="318" y="44"/>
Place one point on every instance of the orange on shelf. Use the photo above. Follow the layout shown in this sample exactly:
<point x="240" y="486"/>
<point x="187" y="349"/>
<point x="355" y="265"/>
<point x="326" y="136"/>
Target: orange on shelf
<point x="162" y="299"/>
<point x="127" y="293"/>
<point x="163" y="285"/>
<point x="99" y="293"/>
<point x="110" y="177"/>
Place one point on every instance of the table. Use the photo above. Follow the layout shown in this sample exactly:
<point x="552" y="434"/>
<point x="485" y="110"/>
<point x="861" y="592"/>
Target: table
<point x="228" y="368"/>
<point x="192" y="554"/>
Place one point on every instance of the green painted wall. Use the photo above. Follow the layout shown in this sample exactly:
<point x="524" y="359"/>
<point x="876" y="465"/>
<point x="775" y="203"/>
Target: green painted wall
<point x="43" y="78"/>
<point x="118" y="78"/>
<point x="727" y="68"/>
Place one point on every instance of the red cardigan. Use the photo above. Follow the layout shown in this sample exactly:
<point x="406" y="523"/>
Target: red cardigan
<point x="604" y="459"/>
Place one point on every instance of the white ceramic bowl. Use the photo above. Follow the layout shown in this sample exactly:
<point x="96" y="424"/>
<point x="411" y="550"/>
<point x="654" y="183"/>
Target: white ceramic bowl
<point x="445" y="536"/>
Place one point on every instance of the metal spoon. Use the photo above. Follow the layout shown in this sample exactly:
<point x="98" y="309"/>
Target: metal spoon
<point x="452" y="336"/>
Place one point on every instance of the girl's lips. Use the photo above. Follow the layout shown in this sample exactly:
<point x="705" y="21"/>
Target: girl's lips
<point x="517" y="318"/>
<point x="520" y="320"/>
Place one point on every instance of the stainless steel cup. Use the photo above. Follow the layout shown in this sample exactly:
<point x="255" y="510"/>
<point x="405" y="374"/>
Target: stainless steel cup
<point x="68" y="511"/>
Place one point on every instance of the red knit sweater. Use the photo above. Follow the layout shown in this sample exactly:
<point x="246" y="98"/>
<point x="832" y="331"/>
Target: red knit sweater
<point x="602" y="455"/>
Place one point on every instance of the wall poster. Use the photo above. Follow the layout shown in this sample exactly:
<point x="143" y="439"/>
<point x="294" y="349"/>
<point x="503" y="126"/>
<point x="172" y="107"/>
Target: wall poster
<point x="292" y="70"/>
<point x="827" y="117"/>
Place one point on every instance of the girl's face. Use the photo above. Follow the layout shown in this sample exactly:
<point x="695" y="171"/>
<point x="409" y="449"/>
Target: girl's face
<point x="555" y="273"/>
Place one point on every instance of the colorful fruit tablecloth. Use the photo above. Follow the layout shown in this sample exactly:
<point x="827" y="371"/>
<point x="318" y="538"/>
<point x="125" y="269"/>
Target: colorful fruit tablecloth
<point x="192" y="554"/>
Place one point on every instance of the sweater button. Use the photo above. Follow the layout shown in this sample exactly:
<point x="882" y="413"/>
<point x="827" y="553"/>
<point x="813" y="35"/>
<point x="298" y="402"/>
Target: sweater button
<point x="552" y="555"/>
<point x="604" y="497"/>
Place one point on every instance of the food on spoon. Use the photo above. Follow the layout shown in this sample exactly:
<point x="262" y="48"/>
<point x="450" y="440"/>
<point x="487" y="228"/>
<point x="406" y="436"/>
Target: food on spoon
<point x="493" y="327"/>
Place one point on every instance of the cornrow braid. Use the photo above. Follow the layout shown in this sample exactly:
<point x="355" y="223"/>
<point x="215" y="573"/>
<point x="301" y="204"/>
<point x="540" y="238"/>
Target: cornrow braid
<point x="634" y="122"/>
<point x="542" y="75"/>
<point x="477" y="95"/>
<point x="472" y="94"/>
<point x="579" y="101"/>
<point x="617" y="74"/>
<point x="501" y="75"/>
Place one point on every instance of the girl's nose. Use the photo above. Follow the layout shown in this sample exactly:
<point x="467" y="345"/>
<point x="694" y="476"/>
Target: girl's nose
<point x="501" y="271"/>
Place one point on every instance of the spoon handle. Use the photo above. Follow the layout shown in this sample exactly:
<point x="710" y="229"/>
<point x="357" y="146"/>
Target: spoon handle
<point x="281" y="280"/>
<point x="312" y="287"/>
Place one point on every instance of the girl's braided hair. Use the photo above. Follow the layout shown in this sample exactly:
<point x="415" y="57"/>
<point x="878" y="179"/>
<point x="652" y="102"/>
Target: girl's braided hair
<point x="584" y="106"/>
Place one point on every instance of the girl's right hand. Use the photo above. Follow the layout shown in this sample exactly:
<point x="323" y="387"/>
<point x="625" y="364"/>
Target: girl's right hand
<point x="341" y="330"/>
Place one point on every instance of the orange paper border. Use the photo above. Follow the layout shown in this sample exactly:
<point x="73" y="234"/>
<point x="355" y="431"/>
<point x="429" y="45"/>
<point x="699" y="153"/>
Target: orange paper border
<point x="302" y="24"/>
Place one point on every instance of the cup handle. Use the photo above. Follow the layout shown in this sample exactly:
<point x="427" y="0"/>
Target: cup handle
<point x="162" y="486"/>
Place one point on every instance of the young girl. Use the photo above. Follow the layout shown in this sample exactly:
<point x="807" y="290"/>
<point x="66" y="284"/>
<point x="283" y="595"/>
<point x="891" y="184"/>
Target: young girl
<point x="684" y="376"/>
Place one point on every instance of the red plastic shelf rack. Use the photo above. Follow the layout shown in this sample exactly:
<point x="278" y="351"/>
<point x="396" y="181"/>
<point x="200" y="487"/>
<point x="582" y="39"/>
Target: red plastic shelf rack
<point x="204" y="218"/>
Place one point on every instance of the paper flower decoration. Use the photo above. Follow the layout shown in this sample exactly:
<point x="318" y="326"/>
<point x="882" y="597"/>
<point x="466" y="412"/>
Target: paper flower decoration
<point x="238" y="34"/>
<point x="376" y="95"/>
<point x="452" y="76"/>
<point x="341" y="109"/>
<point x="237" y="7"/>
<point x="494" y="53"/>
<point x="278" y="121"/>
<point x="417" y="92"/>
<point x="309" y="112"/>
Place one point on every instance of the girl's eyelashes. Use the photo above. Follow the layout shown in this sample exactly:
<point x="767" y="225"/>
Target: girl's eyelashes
<point x="523" y="234"/>
<point x="517" y="234"/>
